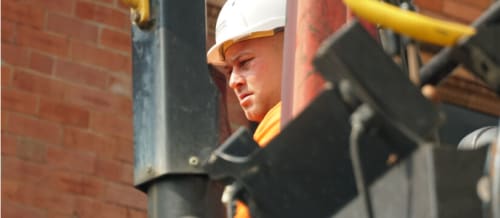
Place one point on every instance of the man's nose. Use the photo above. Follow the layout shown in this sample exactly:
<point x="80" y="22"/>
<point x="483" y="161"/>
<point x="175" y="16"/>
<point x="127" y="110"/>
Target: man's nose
<point x="236" y="80"/>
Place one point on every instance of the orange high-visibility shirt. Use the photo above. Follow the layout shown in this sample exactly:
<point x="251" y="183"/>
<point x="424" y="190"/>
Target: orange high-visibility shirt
<point x="268" y="128"/>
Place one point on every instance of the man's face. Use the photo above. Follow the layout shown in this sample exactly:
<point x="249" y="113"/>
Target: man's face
<point x="255" y="74"/>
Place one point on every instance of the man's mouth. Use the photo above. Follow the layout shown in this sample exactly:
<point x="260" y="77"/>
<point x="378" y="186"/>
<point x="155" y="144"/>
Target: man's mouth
<point x="244" y="99"/>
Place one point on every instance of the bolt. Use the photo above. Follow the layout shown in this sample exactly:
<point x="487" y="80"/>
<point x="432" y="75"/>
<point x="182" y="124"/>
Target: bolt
<point x="149" y="170"/>
<point x="194" y="161"/>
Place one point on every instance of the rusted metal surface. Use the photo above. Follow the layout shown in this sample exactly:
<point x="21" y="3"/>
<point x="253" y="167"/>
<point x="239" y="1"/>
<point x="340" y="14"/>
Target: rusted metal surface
<point x="316" y="20"/>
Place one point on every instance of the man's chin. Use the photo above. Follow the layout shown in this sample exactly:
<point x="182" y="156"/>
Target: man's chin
<point x="253" y="116"/>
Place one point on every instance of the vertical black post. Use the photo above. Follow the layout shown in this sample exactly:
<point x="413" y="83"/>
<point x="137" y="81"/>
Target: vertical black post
<point x="175" y="112"/>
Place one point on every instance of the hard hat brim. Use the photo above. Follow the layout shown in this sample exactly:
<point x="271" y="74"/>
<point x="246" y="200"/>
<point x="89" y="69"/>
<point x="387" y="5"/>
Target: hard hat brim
<point x="215" y="54"/>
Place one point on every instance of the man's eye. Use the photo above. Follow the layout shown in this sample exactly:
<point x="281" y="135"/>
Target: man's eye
<point x="244" y="62"/>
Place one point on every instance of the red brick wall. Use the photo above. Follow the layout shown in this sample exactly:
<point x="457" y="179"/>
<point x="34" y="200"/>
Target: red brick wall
<point x="67" y="147"/>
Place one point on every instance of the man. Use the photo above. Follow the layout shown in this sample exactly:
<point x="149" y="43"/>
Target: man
<point x="249" y="44"/>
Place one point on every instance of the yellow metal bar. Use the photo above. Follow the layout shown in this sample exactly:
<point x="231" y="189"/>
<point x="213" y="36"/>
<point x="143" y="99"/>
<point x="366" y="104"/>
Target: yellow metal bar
<point x="409" y="23"/>
<point x="139" y="9"/>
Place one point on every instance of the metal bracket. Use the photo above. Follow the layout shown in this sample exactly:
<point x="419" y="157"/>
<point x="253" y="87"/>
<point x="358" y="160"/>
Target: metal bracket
<point x="481" y="55"/>
<point x="352" y="54"/>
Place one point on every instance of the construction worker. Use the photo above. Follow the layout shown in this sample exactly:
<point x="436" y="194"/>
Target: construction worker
<point x="249" y="44"/>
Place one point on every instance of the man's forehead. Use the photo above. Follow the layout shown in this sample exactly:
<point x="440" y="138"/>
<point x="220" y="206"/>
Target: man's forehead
<point x="237" y="50"/>
<point x="248" y="45"/>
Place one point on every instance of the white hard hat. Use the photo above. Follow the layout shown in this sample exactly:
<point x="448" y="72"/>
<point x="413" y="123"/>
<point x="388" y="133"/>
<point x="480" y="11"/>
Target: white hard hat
<point x="245" y="19"/>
